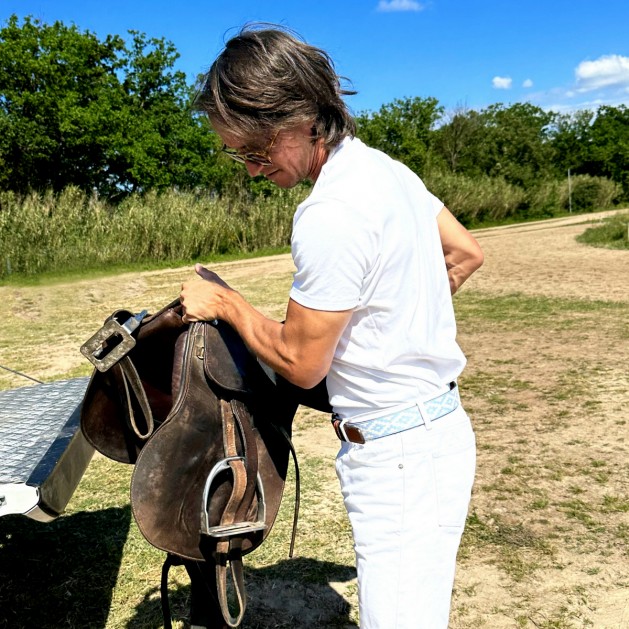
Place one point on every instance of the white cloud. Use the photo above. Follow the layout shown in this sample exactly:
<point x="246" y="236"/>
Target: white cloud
<point x="399" y="5"/>
<point x="604" y="72"/>
<point x="527" y="83"/>
<point x="502" y="82"/>
<point x="602" y="81"/>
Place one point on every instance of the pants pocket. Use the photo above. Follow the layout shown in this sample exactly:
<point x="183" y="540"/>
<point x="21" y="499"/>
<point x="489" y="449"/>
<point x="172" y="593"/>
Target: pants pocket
<point x="454" y="465"/>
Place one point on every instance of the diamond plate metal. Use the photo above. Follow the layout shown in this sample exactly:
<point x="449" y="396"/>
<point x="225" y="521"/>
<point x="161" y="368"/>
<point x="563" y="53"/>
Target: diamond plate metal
<point x="31" y="419"/>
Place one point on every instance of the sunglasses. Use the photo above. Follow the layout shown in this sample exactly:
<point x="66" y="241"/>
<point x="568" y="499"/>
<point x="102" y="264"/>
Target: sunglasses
<point x="262" y="158"/>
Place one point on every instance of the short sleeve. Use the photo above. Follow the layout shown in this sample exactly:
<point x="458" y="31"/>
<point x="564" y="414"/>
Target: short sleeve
<point x="437" y="204"/>
<point x="333" y="249"/>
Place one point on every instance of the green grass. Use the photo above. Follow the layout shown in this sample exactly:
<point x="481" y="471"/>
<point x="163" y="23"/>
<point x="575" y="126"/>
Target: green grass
<point x="520" y="311"/>
<point x="612" y="233"/>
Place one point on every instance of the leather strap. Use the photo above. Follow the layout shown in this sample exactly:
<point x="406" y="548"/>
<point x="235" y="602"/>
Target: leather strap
<point x="293" y="536"/>
<point x="131" y="379"/>
<point x="229" y="550"/>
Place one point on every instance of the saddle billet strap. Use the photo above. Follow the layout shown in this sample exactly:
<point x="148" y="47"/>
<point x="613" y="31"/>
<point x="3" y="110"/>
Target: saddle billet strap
<point x="131" y="378"/>
<point x="171" y="560"/>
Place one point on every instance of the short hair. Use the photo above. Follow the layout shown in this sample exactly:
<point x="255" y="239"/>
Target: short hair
<point x="267" y="79"/>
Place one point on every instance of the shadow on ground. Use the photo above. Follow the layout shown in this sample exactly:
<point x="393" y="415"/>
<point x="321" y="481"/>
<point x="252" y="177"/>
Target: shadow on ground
<point x="292" y="594"/>
<point x="60" y="574"/>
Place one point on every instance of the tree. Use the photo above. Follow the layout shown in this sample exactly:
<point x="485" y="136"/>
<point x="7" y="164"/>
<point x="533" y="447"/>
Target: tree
<point x="570" y="137"/>
<point x="101" y="115"/>
<point x="515" y="143"/>
<point x="608" y="148"/>
<point x="402" y="129"/>
<point x="457" y="138"/>
<point x="57" y="87"/>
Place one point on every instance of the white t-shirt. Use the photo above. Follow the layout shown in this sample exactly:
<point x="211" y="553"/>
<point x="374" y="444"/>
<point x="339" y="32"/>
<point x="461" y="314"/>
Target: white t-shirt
<point x="367" y="239"/>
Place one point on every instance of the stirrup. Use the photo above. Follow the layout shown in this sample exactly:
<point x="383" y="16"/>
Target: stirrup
<point x="236" y="528"/>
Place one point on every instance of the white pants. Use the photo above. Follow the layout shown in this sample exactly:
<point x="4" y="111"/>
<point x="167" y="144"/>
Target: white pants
<point x="407" y="497"/>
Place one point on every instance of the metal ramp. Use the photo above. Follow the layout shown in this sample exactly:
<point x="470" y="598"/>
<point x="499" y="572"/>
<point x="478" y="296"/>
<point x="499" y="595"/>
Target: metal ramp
<point x="43" y="454"/>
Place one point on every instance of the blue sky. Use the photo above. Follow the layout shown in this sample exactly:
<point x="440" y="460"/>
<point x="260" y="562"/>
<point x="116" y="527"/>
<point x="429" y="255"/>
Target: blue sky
<point x="556" y="54"/>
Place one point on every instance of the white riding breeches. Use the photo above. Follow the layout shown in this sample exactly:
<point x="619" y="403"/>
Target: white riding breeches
<point x="407" y="497"/>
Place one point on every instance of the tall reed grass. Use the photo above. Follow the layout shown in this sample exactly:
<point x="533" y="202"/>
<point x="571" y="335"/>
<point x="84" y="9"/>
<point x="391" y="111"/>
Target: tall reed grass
<point x="73" y="230"/>
<point x="490" y="199"/>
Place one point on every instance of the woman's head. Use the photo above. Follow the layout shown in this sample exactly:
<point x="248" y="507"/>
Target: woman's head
<point x="266" y="80"/>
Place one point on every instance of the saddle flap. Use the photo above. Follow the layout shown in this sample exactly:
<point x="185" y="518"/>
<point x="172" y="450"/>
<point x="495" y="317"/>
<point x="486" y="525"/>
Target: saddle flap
<point x="228" y="363"/>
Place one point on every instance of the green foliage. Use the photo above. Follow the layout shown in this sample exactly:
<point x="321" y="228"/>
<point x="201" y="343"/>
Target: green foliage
<point x="402" y="129"/>
<point x="99" y="115"/>
<point x="608" y="148"/>
<point x="590" y="193"/>
<point x="478" y="199"/>
<point x="458" y="139"/>
<point x="545" y="199"/>
<point x="515" y="142"/>
<point x="72" y="230"/>
<point x="612" y="233"/>
<point x="493" y="200"/>
<point x="111" y="118"/>
<point x="57" y="88"/>
<point x="570" y="136"/>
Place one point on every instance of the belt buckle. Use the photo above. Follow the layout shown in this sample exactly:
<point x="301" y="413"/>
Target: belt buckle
<point x="347" y="432"/>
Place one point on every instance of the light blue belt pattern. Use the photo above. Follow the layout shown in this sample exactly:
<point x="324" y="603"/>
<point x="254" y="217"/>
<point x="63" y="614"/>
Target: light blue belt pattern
<point x="429" y="411"/>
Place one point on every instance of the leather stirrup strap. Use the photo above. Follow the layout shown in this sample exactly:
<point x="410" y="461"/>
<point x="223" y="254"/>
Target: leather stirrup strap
<point x="238" y="580"/>
<point x="250" y="452"/>
<point x="228" y="550"/>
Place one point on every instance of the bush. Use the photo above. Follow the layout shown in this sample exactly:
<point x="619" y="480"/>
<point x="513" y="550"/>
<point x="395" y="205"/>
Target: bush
<point x="591" y="193"/>
<point x="493" y="200"/>
<point x="477" y="199"/>
<point x="544" y="200"/>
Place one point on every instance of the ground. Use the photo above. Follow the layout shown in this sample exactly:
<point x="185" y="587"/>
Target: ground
<point x="546" y="387"/>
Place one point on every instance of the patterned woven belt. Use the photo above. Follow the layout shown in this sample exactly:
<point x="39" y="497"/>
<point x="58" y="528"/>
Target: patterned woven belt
<point x="360" y="432"/>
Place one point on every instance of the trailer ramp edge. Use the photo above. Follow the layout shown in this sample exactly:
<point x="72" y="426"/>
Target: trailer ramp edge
<point x="43" y="453"/>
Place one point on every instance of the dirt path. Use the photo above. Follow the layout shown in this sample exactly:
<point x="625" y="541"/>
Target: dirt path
<point x="533" y="259"/>
<point x="544" y="259"/>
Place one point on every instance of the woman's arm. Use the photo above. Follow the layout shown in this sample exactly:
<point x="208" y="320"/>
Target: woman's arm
<point x="462" y="253"/>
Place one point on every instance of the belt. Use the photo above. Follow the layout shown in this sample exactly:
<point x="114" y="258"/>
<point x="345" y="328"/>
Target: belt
<point x="429" y="411"/>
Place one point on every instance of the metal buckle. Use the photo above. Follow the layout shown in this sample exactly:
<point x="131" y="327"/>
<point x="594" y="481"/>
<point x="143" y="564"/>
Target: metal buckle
<point x="112" y="342"/>
<point x="356" y="435"/>
<point x="339" y="427"/>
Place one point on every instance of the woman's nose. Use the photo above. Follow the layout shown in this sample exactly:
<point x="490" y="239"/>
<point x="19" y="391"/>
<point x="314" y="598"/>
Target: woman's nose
<point x="253" y="169"/>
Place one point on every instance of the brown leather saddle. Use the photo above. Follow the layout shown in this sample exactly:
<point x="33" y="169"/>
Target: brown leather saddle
<point x="209" y="433"/>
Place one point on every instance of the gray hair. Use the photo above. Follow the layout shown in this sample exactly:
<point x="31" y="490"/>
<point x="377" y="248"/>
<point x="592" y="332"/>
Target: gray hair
<point x="267" y="79"/>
